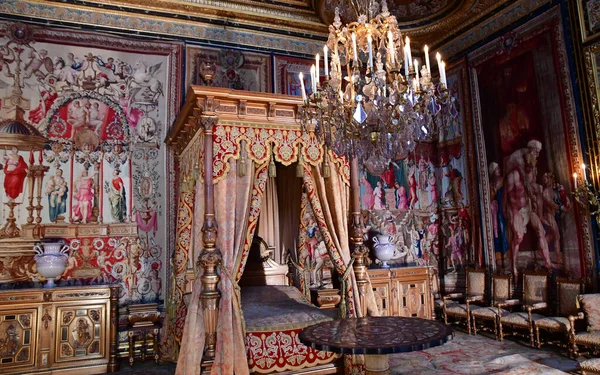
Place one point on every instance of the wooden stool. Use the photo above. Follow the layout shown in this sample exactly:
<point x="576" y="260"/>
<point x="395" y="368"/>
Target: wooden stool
<point x="144" y="321"/>
<point x="143" y="332"/>
<point x="590" y="366"/>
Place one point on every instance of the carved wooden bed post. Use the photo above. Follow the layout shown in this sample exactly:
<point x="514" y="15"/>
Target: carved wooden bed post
<point x="210" y="256"/>
<point x="359" y="250"/>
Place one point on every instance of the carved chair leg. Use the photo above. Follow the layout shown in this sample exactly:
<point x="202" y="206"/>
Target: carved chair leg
<point x="500" y="329"/>
<point x="574" y="349"/>
<point x="537" y="337"/>
<point x="445" y="316"/>
<point x="496" y="328"/>
<point x="474" y="323"/>
<point x="469" y="322"/>
<point x="131" y="348"/>
<point x="531" y="335"/>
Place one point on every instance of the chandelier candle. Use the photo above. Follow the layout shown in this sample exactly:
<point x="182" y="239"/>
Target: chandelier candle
<point x="426" y="50"/>
<point x="391" y="47"/>
<point x="301" y="76"/>
<point x="326" y="62"/>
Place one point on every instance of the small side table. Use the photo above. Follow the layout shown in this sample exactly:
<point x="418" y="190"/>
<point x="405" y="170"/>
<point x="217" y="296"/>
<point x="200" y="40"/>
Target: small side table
<point x="325" y="298"/>
<point x="144" y="323"/>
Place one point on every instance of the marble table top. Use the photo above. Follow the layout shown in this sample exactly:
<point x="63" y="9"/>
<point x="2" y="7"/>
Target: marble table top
<point x="376" y="335"/>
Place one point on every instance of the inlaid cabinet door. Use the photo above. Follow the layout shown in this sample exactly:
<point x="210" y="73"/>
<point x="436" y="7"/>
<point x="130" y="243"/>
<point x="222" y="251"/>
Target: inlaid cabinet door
<point x="18" y="339"/>
<point x="81" y="332"/>
<point x="413" y="299"/>
<point x="383" y="298"/>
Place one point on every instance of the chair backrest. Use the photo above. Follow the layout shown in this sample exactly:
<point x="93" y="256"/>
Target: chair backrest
<point x="535" y="287"/>
<point x="567" y="291"/>
<point x="501" y="288"/>
<point x="475" y="282"/>
<point x="434" y="281"/>
<point x="590" y="304"/>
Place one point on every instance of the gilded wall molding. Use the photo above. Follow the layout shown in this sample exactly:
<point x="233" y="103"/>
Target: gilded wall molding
<point x="165" y="25"/>
<point x="488" y="27"/>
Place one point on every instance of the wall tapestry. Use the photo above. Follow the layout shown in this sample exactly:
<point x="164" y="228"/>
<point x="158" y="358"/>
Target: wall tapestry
<point x="104" y="112"/>
<point x="287" y="75"/>
<point x="527" y="144"/>
<point x="235" y="69"/>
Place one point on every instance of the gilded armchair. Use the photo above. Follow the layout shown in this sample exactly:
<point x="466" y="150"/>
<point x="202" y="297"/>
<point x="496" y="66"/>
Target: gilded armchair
<point x="474" y="297"/>
<point x="590" y="338"/>
<point x="501" y="294"/>
<point x="558" y="326"/>
<point x="534" y="301"/>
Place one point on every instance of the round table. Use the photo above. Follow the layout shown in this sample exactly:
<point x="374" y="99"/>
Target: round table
<point x="376" y="337"/>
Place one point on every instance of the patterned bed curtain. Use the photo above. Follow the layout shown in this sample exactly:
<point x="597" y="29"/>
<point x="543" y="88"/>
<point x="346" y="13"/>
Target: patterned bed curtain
<point x="329" y="199"/>
<point x="237" y="207"/>
<point x="268" y="222"/>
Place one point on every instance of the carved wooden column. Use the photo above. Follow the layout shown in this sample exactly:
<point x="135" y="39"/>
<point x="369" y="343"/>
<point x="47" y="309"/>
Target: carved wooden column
<point x="113" y="363"/>
<point x="359" y="250"/>
<point x="211" y="256"/>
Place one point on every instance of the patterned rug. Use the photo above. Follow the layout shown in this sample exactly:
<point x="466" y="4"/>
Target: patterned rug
<point x="479" y="355"/>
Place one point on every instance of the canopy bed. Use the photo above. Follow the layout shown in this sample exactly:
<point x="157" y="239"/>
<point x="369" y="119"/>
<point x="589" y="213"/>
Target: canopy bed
<point x="237" y="136"/>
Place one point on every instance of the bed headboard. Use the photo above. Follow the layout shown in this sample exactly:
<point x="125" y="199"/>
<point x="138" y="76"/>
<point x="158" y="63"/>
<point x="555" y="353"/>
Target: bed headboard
<point x="261" y="269"/>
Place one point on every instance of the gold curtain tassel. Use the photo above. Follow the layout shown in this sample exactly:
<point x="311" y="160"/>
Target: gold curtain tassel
<point x="241" y="167"/>
<point x="272" y="169"/>
<point x="326" y="169"/>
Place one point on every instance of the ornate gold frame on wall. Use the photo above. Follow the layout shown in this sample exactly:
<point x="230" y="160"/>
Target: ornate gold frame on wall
<point x="585" y="37"/>
<point x="592" y="128"/>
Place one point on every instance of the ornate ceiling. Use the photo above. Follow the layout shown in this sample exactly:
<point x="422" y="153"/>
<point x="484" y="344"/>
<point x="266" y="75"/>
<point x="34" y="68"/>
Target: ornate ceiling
<point x="426" y="21"/>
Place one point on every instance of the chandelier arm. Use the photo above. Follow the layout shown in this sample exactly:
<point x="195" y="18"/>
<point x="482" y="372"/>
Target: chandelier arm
<point x="356" y="7"/>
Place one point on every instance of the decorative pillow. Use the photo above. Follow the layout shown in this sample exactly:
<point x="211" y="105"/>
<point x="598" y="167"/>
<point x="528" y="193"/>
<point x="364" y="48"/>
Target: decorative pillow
<point x="590" y="303"/>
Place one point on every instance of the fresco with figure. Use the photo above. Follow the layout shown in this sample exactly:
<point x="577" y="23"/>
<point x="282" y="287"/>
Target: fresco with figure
<point x="104" y="113"/>
<point x="527" y="146"/>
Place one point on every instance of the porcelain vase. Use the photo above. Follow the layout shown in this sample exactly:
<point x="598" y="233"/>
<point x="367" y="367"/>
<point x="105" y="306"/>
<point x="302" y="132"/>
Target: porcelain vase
<point x="384" y="249"/>
<point x="51" y="260"/>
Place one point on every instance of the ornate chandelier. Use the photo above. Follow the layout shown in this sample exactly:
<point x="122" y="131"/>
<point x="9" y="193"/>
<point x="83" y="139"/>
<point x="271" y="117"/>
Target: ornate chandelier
<point x="375" y="103"/>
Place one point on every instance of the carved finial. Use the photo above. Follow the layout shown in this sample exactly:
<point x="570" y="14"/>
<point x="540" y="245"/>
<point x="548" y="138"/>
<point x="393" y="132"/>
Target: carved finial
<point x="384" y="9"/>
<point x="337" y="22"/>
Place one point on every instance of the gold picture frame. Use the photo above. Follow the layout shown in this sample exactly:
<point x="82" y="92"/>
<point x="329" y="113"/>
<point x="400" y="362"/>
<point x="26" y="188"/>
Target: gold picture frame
<point x="589" y="19"/>
<point x="592" y="68"/>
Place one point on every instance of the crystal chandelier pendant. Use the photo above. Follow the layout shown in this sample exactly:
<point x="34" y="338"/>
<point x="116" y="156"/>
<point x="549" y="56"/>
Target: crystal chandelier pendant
<point x="376" y="164"/>
<point x="359" y="114"/>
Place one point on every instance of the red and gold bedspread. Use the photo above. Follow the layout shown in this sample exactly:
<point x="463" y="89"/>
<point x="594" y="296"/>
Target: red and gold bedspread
<point x="274" y="315"/>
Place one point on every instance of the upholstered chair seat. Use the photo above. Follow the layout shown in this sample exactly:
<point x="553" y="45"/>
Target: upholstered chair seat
<point x="590" y="366"/>
<point x="460" y="309"/>
<point x="588" y="338"/>
<point x="520" y="319"/>
<point x="489" y="312"/>
<point x="557" y="323"/>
